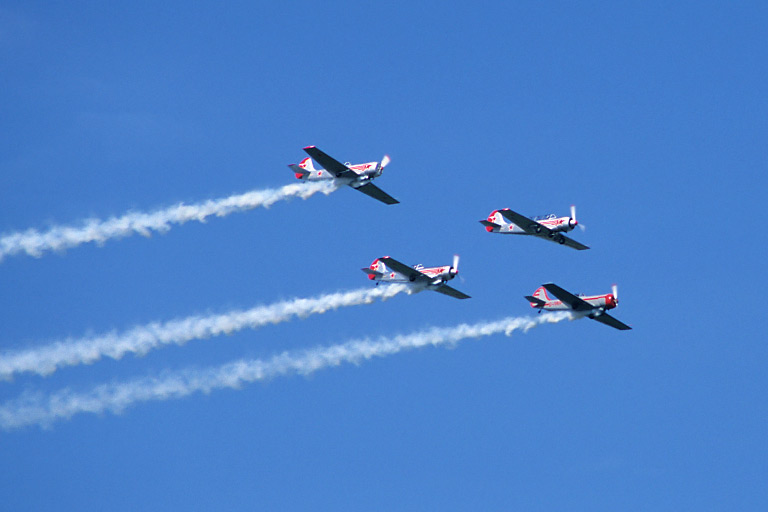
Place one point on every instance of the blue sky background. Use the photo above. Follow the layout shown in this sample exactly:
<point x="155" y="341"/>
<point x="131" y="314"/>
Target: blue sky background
<point x="651" y="118"/>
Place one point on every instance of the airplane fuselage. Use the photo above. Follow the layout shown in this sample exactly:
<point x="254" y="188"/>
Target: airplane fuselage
<point x="556" y="224"/>
<point x="385" y="274"/>
<point x="600" y="302"/>
<point x="365" y="173"/>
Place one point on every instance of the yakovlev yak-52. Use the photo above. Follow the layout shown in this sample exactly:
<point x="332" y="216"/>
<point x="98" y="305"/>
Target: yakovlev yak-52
<point x="548" y="227"/>
<point x="389" y="270"/>
<point x="358" y="176"/>
<point x="594" y="307"/>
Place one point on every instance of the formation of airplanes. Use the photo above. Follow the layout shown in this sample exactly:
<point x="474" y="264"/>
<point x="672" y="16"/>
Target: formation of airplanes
<point x="505" y="221"/>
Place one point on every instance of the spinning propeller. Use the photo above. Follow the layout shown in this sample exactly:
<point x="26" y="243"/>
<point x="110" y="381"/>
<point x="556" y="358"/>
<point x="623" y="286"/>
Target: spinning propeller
<point x="573" y="222"/>
<point x="455" y="267"/>
<point x="615" y="290"/>
<point x="384" y="162"/>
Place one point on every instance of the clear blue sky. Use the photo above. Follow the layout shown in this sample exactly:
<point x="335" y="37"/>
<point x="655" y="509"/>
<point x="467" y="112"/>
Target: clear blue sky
<point x="651" y="118"/>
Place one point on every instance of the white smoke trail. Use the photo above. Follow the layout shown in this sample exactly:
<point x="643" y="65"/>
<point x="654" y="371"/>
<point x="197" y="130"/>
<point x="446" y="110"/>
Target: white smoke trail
<point x="36" y="409"/>
<point x="36" y="243"/>
<point x="140" y="340"/>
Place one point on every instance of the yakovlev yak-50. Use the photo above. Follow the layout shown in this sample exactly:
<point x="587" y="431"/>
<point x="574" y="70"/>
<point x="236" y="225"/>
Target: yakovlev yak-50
<point x="594" y="307"/>
<point x="389" y="270"/>
<point x="548" y="227"/>
<point x="358" y="176"/>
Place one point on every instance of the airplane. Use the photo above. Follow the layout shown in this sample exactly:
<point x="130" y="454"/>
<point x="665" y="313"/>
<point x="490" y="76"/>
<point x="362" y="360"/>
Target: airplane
<point x="359" y="176"/>
<point x="594" y="307"/>
<point x="390" y="270"/>
<point x="548" y="227"/>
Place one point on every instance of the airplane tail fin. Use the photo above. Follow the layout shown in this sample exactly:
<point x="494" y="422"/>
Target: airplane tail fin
<point x="541" y="294"/>
<point x="307" y="165"/>
<point x="304" y="169"/>
<point x="378" y="266"/>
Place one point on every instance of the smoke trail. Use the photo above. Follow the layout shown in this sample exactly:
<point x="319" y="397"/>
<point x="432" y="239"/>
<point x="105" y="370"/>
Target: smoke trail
<point x="36" y="243"/>
<point x="37" y="409"/>
<point x="140" y="340"/>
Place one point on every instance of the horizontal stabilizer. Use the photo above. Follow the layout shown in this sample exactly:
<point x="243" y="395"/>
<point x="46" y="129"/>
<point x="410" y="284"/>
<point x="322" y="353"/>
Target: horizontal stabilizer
<point x="298" y="170"/>
<point x="533" y="300"/>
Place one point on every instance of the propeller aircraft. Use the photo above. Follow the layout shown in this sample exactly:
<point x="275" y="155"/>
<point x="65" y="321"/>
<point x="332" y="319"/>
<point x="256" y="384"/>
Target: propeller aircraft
<point x="594" y="306"/>
<point x="358" y="176"/>
<point x="548" y="227"/>
<point x="418" y="277"/>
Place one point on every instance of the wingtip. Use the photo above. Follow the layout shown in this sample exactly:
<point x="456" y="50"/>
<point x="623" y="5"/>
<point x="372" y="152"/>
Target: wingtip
<point x="309" y="147"/>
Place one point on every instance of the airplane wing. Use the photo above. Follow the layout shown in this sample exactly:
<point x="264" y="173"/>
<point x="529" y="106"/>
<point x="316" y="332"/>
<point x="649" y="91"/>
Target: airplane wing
<point x="329" y="163"/>
<point x="453" y="292"/>
<point x="411" y="273"/>
<point x="488" y="223"/>
<point x="609" y="320"/>
<point x="530" y="226"/>
<point x="573" y="301"/>
<point x="375" y="192"/>
<point x="573" y="243"/>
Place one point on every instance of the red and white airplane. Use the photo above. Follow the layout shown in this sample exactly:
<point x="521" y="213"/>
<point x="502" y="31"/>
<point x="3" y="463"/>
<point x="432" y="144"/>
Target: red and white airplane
<point x="548" y="227"/>
<point x="359" y="176"/>
<point x="390" y="270"/>
<point x="594" y="306"/>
